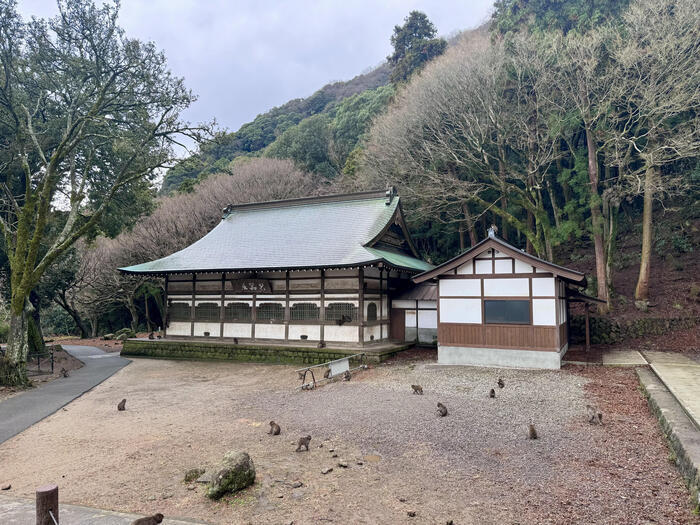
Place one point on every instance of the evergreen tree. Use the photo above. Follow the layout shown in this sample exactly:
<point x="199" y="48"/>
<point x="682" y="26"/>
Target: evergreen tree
<point x="414" y="45"/>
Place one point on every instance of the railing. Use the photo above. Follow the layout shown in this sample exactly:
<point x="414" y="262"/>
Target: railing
<point x="32" y="358"/>
<point x="335" y="368"/>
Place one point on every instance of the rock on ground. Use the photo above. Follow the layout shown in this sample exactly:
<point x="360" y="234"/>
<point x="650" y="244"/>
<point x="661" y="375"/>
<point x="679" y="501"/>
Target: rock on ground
<point x="235" y="473"/>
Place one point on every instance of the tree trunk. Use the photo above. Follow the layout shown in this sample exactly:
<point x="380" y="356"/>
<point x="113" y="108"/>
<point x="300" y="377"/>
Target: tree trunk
<point x="531" y="227"/>
<point x="597" y="219"/>
<point x="470" y="224"/>
<point x="148" y="313"/>
<point x="62" y="301"/>
<point x="94" y="325"/>
<point x="13" y="368"/>
<point x="641" y="293"/>
<point x="131" y="305"/>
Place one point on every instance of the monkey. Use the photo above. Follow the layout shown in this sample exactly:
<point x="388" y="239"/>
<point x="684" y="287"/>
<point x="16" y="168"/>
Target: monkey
<point x="347" y="375"/>
<point x="235" y="340"/>
<point x="594" y="416"/>
<point x="501" y="384"/>
<point x="150" y="520"/>
<point x="327" y="374"/>
<point x="151" y="335"/>
<point x="321" y="344"/>
<point x="532" y="433"/>
<point x="417" y="389"/>
<point x="303" y="442"/>
<point x="492" y="393"/>
<point x="441" y="409"/>
<point x="159" y="337"/>
<point x="122" y="405"/>
<point x="64" y="372"/>
<point x="274" y="429"/>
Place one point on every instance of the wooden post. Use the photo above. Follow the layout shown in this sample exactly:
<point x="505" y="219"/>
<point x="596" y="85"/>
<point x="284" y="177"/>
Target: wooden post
<point x="361" y="306"/>
<point x="588" y="329"/>
<point x="46" y="500"/>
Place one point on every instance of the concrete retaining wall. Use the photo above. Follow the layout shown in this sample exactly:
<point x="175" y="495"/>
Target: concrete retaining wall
<point x="246" y="352"/>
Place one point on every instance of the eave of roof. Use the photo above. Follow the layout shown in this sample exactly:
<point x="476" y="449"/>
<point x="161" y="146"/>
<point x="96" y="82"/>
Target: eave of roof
<point x="499" y="244"/>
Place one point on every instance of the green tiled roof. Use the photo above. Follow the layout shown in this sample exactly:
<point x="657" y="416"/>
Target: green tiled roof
<point x="324" y="232"/>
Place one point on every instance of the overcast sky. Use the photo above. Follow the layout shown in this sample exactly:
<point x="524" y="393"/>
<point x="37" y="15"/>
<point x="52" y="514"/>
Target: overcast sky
<point x="244" y="57"/>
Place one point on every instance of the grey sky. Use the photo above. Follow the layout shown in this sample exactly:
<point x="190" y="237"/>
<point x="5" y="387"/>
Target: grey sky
<point x="244" y="57"/>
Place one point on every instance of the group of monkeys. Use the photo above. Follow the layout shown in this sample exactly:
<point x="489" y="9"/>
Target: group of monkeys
<point x="303" y="442"/>
<point x="595" y="417"/>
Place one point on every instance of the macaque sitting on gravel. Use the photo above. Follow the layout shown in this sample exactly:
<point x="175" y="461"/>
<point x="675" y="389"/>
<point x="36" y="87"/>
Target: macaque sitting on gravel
<point x="501" y="384"/>
<point x="150" y="520"/>
<point x="303" y="442"/>
<point x="441" y="409"/>
<point x="417" y="389"/>
<point x="274" y="429"/>
<point x="531" y="432"/>
<point x="594" y="416"/>
<point x="122" y="405"/>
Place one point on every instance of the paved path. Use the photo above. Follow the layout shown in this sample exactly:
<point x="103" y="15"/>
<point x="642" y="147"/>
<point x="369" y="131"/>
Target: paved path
<point x="623" y="358"/>
<point x="23" y="410"/>
<point x="681" y="375"/>
<point x="20" y="511"/>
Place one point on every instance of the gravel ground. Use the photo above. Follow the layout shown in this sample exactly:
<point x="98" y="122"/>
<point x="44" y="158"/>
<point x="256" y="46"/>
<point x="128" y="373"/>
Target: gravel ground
<point x="473" y="466"/>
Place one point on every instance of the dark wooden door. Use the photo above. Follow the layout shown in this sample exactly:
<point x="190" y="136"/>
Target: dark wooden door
<point x="398" y="324"/>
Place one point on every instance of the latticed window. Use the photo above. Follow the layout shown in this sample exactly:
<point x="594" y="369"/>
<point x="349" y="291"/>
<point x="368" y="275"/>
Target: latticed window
<point x="179" y="311"/>
<point x="372" y="312"/>
<point x="237" y="312"/>
<point x="270" y="312"/>
<point x="341" y="312"/>
<point x="207" y="312"/>
<point x="304" y="312"/>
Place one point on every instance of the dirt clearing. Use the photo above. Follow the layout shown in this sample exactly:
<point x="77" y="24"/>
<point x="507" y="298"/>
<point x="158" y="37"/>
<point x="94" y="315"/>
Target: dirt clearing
<point x="474" y="466"/>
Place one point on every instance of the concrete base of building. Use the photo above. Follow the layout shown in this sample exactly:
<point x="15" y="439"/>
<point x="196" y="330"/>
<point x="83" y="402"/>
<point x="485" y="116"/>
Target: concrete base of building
<point x="499" y="357"/>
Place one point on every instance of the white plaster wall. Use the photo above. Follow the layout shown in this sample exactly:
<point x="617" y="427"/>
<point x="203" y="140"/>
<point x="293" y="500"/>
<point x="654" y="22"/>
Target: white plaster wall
<point x="562" y="311"/>
<point x="269" y="331"/>
<point x="348" y="334"/>
<point x="212" y="328"/>
<point x="237" y="330"/>
<point x="341" y="284"/>
<point x="384" y="311"/>
<point x="543" y="286"/>
<point x="410" y="318"/>
<point x="538" y="270"/>
<point x="403" y="304"/>
<point x="460" y="287"/>
<point x="543" y="312"/>
<point x="427" y="319"/>
<point x="216" y="300"/>
<point x="486" y="254"/>
<point x="232" y="301"/>
<point x="178" y="328"/>
<point x="483" y="266"/>
<point x="504" y="265"/>
<point x="373" y="331"/>
<point x="297" y="330"/>
<point x="507" y="287"/>
<point x="466" y="269"/>
<point x="292" y="302"/>
<point x="427" y="304"/>
<point x="460" y="310"/>
<point x="522" y="267"/>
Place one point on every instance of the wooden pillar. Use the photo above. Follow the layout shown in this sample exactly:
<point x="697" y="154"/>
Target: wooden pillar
<point x="165" y="309"/>
<point x="46" y="501"/>
<point x="322" y="313"/>
<point x="361" y="306"/>
<point x="417" y="338"/>
<point x="588" y="328"/>
<point x="193" y="305"/>
<point x="381" y="304"/>
<point x="223" y="305"/>
<point x="286" y="306"/>
<point x="253" y="317"/>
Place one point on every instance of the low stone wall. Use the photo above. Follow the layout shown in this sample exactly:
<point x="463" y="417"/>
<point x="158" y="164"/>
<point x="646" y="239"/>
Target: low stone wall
<point x="607" y="330"/>
<point x="169" y="349"/>
<point x="682" y="435"/>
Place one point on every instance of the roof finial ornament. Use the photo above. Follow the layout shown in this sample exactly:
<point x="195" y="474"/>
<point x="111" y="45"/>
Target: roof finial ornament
<point x="390" y="192"/>
<point x="493" y="230"/>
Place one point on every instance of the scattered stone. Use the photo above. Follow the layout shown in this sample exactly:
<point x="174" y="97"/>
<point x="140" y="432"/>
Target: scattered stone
<point x="327" y="470"/>
<point x="411" y="513"/>
<point x="359" y="463"/>
<point x="193" y="473"/>
<point x="342" y="464"/>
<point x="235" y="473"/>
<point x="334" y="456"/>
<point x="642" y="306"/>
<point x="331" y="450"/>
<point x="320" y="445"/>
<point x="280" y="496"/>
<point x="297" y="484"/>
<point x="151" y="498"/>
<point x="402" y="500"/>
<point x="191" y="487"/>
<point x="5" y="486"/>
<point x="167" y="495"/>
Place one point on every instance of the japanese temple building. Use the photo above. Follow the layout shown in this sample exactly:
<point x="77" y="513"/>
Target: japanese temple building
<point x="341" y="272"/>
<point x="317" y="269"/>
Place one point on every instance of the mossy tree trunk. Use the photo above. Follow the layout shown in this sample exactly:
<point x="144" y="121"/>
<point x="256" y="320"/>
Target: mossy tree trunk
<point x="641" y="292"/>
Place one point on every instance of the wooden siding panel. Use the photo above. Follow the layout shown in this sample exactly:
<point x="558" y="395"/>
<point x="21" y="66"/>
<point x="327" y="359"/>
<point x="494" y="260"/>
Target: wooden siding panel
<point x="498" y="336"/>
